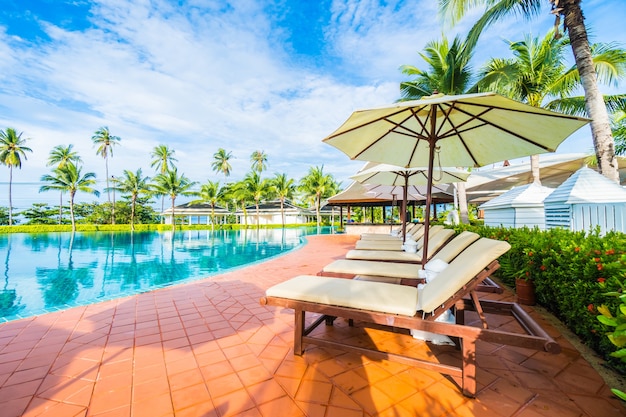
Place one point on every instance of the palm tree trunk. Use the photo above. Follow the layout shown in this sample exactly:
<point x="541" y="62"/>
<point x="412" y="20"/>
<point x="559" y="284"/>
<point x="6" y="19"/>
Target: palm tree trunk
<point x="257" y="214"/>
<point x="534" y="169"/>
<point x="282" y="210"/>
<point x="173" y="218"/>
<point x="72" y="210"/>
<point x="212" y="217"/>
<point x="317" y="209"/>
<point x="132" y="213"/>
<point x="463" y="211"/>
<point x="10" y="201"/>
<point x="162" y="206"/>
<point x="594" y="102"/>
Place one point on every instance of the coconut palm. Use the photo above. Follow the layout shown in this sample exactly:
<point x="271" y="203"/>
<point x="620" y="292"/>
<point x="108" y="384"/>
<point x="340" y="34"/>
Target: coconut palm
<point x="132" y="184"/>
<point x="69" y="179"/>
<point x="12" y="151"/>
<point x="619" y="131"/>
<point x="105" y="142"/>
<point x="448" y="72"/>
<point x="317" y="186"/>
<point x="284" y="188"/>
<point x="173" y="185"/>
<point x="259" y="161"/>
<point x="538" y="76"/>
<point x="209" y="193"/>
<point x="573" y="21"/>
<point x="59" y="156"/>
<point x="163" y="160"/>
<point x="257" y="189"/>
<point x="220" y="162"/>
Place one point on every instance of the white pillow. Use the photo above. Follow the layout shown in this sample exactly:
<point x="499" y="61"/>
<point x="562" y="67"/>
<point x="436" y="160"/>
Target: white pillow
<point x="433" y="268"/>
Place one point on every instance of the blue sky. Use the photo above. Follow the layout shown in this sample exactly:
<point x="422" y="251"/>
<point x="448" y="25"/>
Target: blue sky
<point x="245" y="75"/>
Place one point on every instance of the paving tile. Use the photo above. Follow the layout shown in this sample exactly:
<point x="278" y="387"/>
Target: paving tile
<point x="208" y="348"/>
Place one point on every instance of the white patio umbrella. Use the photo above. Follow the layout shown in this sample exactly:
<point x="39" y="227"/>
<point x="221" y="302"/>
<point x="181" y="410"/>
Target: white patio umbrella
<point x="460" y="131"/>
<point x="392" y="175"/>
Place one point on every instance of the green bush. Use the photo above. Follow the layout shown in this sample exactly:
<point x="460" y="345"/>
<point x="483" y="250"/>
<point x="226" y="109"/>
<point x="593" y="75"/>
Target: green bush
<point x="571" y="271"/>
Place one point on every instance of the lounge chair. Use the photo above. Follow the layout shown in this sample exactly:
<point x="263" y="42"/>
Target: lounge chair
<point x="412" y="308"/>
<point x="411" y="228"/>
<point x="436" y="242"/>
<point x="396" y="244"/>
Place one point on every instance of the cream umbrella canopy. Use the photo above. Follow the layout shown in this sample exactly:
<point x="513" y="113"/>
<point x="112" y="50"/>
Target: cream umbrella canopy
<point x="462" y="131"/>
<point x="392" y="175"/>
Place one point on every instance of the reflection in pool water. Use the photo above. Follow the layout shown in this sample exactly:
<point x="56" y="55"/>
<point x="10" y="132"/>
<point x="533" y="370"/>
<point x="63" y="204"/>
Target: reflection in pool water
<point x="51" y="271"/>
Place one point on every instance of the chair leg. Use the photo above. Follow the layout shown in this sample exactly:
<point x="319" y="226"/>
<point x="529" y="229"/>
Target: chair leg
<point x="469" y="367"/>
<point x="298" y="332"/>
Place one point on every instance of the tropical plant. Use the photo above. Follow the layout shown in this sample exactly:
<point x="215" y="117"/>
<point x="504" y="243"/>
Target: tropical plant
<point x="257" y="188"/>
<point x="220" y="162"/>
<point x="173" y="185"/>
<point x="449" y="72"/>
<point x="316" y="185"/>
<point x="12" y="149"/>
<point x="571" y="13"/>
<point x="618" y="125"/>
<point x="240" y="193"/>
<point x="162" y="161"/>
<point x="538" y="76"/>
<point x="39" y="213"/>
<point x="132" y="184"/>
<point x="70" y="179"/>
<point x="259" y="161"/>
<point x="209" y="193"/>
<point x="105" y="142"/>
<point x="284" y="188"/>
<point x="59" y="156"/>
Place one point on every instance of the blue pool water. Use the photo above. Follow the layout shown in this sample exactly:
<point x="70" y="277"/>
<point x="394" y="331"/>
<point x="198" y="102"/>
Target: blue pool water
<point x="51" y="271"/>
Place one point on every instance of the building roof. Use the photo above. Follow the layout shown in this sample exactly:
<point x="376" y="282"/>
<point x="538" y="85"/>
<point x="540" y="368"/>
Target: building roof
<point x="529" y="195"/>
<point x="196" y="209"/>
<point x="587" y="186"/>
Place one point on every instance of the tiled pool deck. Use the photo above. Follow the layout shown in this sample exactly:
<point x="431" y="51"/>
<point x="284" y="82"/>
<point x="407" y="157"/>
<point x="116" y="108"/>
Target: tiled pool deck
<point x="210" y="349"/>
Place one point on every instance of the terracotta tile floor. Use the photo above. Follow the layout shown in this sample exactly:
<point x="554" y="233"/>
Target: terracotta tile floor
<point x="210" y="349"/>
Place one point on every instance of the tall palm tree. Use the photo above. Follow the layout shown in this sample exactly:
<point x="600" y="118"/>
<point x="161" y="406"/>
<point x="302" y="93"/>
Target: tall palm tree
<point x="259" y="161"/>
<point x="449" y="72"/>
<point x="163" y="160"/>
<point x="240" y="193"/>
<point x="572" y="15"/>
<point x="105" y="142"/>
<point x="132" y="184"/>
<point x="284" y="188"/>
<point x="257" y="188"/>
<point x="538" y="76"/>
<point x="60" y="155"/>
<point x="173" y="185"/>
<point x="318" y="186"/>
<point x="12" y="149"/>
<point x="220" y="162"/>
<point x="69" y="179"/>
<point x="209" y="193"/>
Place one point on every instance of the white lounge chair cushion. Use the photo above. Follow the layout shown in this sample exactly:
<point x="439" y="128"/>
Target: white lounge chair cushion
<point x="464" y="267"/>
<point x="384" y="255"/>
<point x="363" y="295"/>
<point x="385" y="269"/>
<point x="379" y="244"/>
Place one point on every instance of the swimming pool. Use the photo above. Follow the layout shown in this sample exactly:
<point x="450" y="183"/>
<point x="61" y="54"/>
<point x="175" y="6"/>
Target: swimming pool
<point x="53" y="271"/>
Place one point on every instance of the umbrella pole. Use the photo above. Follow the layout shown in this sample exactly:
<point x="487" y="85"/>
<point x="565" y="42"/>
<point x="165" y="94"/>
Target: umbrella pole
<point x="432" y="141"/>
<point x="404" y="197"/>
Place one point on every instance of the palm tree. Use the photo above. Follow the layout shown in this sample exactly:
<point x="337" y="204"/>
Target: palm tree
<point x="448" y="72"/>
<point x="12" y="150"/>
<point x="133" y="184"/>
<point x="173" y="185"/>
<point x="619" y="131"/>
<point x="60" y="155"/>
<point x="573" y="21"/>
<point x="257" y="188"/>
<point x="240" y="193"/>
<point x="259" y="161"/>
<point x="538" y="73"/>
<point x="285" y="189"/>
<point x="220" y="163"/>
<point x="209" y="193"/>
<point x="317" y="185"/>
<point x="163" y="160"/>
<point x="69" y="179"/>
<point x="105" y="142"/>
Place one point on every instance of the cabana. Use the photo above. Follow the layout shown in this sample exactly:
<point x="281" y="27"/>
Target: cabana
<point x="518" y="207"/>
<point x="587" y="200"/>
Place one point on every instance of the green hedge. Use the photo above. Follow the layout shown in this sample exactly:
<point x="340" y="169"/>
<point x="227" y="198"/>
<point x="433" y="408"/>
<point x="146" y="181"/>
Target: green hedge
<point x="572" y="272"/>
<point x="43" y="228"/>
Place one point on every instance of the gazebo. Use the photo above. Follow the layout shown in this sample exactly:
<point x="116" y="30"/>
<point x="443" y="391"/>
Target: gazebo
<point x="587" y="200"/>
